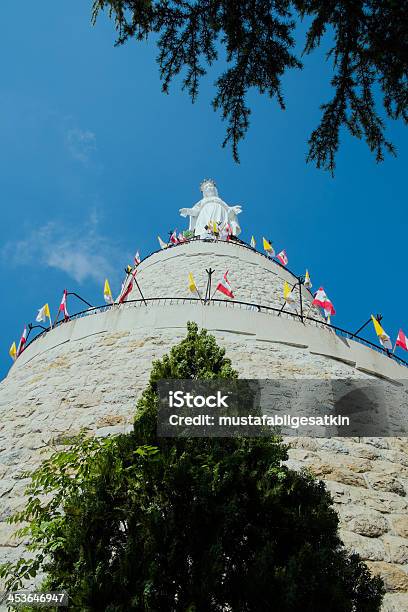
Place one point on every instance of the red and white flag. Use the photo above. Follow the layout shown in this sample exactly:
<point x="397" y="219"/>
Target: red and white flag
<point x="283" y="258"/>
<point x="63" y="305"/>
<point x="321" y="299"/>
<point x="173" y="238"/>
<point x="402" y="340"/>
<point x="126" y="290"/>
<point x="181" y="238"/>
<point x="22" y="342"/>
<point x="225" y="231"/>
<point x="225" y="287"/>
<point x="137" y="258"/>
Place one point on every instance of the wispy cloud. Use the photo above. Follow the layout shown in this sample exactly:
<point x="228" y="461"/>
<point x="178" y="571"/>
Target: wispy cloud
<point x="80" y="143"/>
<point x="83" y="255"/>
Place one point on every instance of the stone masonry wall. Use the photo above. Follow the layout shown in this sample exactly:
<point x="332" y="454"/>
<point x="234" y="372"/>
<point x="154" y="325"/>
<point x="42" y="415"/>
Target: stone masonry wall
<point x="254" y="278"/>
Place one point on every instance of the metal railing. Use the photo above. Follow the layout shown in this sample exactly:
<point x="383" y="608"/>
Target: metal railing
<point x="179" y="301"/>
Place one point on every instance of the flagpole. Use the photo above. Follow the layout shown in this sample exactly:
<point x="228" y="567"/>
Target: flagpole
<point x="79" y="298"/>
<point x="379" y="319"/>
<point x="209" y="286"/>
<point x="284" y="302"/>
<point x="206" y="288"/>
<point x="140" y="291"/>
<point x="300" y="299"/>
<point x="210" y="272"/>
<point x="198" y="293"/>
<point x="30" y="327"/>
<point x="57" y="317"/>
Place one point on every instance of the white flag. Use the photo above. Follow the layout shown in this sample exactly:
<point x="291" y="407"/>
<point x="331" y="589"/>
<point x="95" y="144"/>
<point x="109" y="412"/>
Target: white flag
<point x="308" y="282"/>
<point x="43" y="313"/>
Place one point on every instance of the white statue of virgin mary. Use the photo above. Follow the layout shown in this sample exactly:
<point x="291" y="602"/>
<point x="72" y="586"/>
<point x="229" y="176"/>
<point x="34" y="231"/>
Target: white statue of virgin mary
<point x="211" y="208"/>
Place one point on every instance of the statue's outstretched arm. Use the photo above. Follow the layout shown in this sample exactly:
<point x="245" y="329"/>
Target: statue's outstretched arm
<point x="236" y="209"/>
<point x="191" y="212"/>
<point x="184" y="212"/>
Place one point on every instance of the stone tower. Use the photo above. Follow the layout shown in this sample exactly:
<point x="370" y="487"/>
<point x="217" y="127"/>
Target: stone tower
<point x="89" y="372"/>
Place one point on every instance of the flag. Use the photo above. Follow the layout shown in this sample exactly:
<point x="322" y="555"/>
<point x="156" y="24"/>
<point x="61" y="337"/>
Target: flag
<point x="402" y="340"/>
<point x="13" y="351"/>
<point x="214" y="227"/>
<point x="223" y="233"/>
<point x="225" y="287"/>
<point x="191" y="283"/>
<point x="226" y="232"/>
<point x="107" y="293"/>
<point x="268" y="247"/>
<point x="125" y="292"/>
<point x="253" y="243"/>
<point x="63" y="305"/>
<point x="43" y="313"/>
<point x="173" y="237"/>
<point x="382" y="336"/>
<point x="283" y="258"/>
<point x="137" y="258"/>
<point x="181" y="238"/>
<point x="308" y="282"/>
<point x="321" y="299"/>
<point x="163" y="245"/>
<point x="22" y="342"/>
<point x="287" y="293"/>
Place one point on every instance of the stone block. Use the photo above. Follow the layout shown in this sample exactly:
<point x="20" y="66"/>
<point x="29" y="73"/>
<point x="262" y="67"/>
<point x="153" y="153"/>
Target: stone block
<point x="363" y="521"/>
<point x="369" y="549"/>
<point x="386" y="482"/>
<point x="395" y="578"/>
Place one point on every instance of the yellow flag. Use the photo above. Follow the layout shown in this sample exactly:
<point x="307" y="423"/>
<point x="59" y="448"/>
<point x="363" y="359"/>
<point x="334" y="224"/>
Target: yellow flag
<point x="13" y="351"/>
<point x="267" y="245"/>
<point x="107" y="293"/>
<point x="43" y="313"/>
<point x="215" y="228"/>
<point x="287" y="292"/>
<point x="378" y="329"/>
<point x="308" y="282"/>
<point x="191" y="283"/>
<point x="382" y="335"/>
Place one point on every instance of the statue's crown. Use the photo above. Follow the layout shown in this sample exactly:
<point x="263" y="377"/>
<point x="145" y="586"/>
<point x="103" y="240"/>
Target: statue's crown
<point x="208" y="188"/>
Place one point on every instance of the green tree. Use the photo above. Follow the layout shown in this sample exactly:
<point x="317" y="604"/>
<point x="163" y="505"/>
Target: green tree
<point x="143" y="523"/>
<point x="367" y="49"/>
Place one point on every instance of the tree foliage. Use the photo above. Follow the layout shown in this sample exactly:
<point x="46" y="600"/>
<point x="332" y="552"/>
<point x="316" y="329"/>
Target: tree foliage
<point x="368" y="54"/>
<point x="142" y="523"/>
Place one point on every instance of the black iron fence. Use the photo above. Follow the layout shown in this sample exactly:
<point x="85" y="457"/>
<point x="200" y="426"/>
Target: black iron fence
<point x="235" y="304"/>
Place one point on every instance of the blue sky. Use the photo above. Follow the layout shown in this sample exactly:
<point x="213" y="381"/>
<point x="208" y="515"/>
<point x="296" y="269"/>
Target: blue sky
<point x="95" y="162"/>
